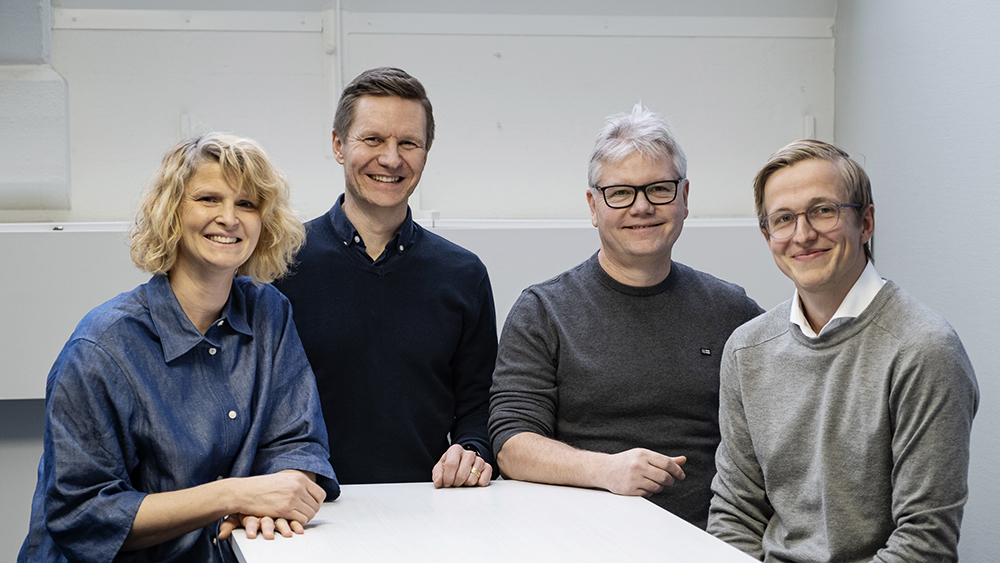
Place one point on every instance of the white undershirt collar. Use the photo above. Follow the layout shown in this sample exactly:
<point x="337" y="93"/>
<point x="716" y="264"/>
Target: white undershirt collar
<point x="856" y="301"/>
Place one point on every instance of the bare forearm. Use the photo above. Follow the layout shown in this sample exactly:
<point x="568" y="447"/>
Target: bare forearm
<point x="165" y="516"/>
<point x="531" y="457"/>
<point x="638" y="471"/>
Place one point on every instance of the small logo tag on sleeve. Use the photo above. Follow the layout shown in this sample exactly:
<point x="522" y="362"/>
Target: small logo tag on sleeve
<point x="706" y="351"/>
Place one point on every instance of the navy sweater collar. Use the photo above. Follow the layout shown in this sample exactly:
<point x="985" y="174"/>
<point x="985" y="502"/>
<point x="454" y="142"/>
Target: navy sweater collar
<point x="345" y="232"/>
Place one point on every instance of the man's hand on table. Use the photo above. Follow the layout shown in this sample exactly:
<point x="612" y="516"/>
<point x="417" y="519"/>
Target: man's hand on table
<point x="642" y="472"/>
<point x="459" y="467"/>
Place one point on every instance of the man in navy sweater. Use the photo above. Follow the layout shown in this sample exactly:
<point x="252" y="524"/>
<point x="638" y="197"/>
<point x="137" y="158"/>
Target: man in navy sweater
<point x="397" y="322"/>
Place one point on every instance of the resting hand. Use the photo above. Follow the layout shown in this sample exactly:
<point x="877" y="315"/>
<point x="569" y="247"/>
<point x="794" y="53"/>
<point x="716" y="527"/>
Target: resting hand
<point x="265" y="525"/>
<point x="459" y="467"/>
<point x="642" y="472"/>
<point x="283" y="501"/>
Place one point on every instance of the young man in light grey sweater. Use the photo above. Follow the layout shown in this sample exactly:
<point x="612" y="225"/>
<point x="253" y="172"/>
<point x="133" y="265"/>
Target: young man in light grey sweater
<point x="845" y="412"/>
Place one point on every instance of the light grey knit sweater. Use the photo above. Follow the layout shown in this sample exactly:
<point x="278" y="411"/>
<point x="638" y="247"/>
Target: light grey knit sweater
<point x="850" y="447"/>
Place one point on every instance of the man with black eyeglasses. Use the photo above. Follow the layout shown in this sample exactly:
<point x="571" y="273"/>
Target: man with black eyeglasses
<point x="608" y="374"/>
<point x="846" y="411"/>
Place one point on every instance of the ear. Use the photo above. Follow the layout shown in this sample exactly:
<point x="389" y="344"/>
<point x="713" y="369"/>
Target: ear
<point x="338" y="148"/>
<point x="593" y="206"/>
<point x="867" y="224"/>
<point x="684" y="193"/>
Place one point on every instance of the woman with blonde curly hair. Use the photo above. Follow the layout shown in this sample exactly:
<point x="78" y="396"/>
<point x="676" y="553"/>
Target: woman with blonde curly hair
<point x="186" y="407"/>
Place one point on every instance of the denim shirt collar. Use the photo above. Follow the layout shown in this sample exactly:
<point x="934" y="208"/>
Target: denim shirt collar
<point x="347" y="234"/>
<point x="177" y="333"/>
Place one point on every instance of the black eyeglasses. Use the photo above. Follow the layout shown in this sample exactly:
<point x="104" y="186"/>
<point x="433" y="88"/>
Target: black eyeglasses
<point x="657" y="193"/>
<point x="821" y="217"/>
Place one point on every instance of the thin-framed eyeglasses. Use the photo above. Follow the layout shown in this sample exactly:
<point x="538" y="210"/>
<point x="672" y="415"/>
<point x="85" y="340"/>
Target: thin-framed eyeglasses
<point x="821" y="217"/>
<point x="621" y="196"/>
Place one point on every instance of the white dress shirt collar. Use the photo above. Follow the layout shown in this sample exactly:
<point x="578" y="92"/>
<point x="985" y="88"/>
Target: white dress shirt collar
<point x="856" y="301"/>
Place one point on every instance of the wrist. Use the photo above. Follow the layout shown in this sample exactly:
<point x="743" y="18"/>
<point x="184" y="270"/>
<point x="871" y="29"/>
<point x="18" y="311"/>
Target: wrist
<point x="224" y="492"/>
<point x="605" y="470"/>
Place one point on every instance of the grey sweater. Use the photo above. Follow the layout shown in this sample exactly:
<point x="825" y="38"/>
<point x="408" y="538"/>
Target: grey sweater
<point x="607" y="367"/>
<point x="853" y="446"/>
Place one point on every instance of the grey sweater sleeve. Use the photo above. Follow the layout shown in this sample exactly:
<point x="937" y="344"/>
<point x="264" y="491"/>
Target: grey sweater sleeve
<point x="739" y="511"/>
<point x="524" y="393"/>
<point x="933" y="401"/>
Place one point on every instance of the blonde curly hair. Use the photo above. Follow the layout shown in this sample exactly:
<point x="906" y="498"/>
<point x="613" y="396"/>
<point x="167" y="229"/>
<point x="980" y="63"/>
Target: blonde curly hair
<point x="157" y="229"/>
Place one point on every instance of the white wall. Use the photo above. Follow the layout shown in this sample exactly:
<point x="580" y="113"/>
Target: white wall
<point x="518" y="99"/>
<point x="134" y="93"/>
<point x="917" y="100"/>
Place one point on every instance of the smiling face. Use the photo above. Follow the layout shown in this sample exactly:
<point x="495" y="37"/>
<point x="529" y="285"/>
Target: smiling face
<point x="824" y="265"/>
<point x="384" y="153"/>
<point x="641" y="236"/>
<point x="219" y="227"/>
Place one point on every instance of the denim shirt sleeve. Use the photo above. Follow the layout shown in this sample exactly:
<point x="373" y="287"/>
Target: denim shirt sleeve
<point x="91" y="503"/>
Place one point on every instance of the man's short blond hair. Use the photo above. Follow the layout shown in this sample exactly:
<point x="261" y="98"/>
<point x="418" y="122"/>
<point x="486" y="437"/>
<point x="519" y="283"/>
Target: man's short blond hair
<point x="853" y="178"/>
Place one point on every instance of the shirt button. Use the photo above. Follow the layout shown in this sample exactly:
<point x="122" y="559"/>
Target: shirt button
<point x="400" y="248"/>
<point x="213" y="541"/>
<point x="219" y="478"/>
<point x="220" y="323"/>
<point x="232" y="414"/>
<point x="212" y="351"/>
<point x="357" y="239"/>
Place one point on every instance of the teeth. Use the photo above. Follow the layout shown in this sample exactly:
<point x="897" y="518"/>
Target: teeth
<point x="223" y="240"/>
<point x="390" y="179"/>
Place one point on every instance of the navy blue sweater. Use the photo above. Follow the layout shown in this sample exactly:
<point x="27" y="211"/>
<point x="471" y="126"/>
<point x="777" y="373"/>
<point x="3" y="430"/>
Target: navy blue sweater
<point x="403" y="348"/>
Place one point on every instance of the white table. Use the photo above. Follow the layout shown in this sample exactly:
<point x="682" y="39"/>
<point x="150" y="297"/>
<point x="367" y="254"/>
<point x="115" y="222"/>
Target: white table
<point x="507" y="521"/>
